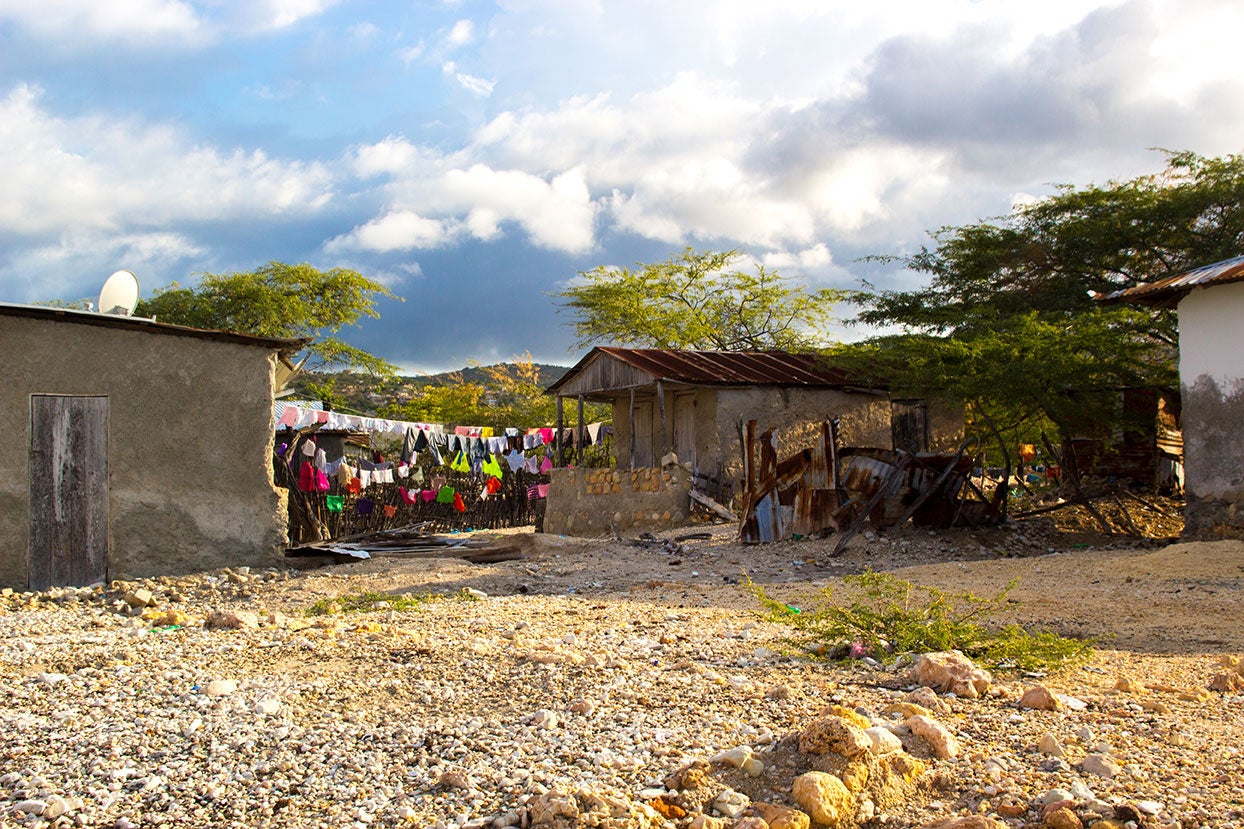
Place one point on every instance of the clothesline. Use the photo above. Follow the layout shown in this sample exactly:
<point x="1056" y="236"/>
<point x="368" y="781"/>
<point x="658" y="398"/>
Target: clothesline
<point x="299" y="417"/>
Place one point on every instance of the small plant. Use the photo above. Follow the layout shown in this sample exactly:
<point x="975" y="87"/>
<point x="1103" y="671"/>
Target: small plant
<point x="370" y="601"/>
<point x="885" y="614"/>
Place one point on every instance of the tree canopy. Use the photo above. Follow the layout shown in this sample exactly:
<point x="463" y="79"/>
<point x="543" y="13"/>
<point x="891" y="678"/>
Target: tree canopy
<point x="696" y="299"/>
<point x="1007" y="321"/>
<point x="280" y="300"/>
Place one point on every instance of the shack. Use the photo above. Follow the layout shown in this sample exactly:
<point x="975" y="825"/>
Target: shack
<point x="1210" y="304"/>
<point x="135" y="448"/>
<point x="691" y="406"/>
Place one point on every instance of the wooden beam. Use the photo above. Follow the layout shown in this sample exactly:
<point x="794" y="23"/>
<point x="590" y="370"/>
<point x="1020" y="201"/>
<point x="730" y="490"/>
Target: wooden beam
<point x="665" y="447"/>
<point x="701" y="498"/>
<point x="579" y="435"/>
<point x="560" y="420"/>
<point x="631" y="422"/>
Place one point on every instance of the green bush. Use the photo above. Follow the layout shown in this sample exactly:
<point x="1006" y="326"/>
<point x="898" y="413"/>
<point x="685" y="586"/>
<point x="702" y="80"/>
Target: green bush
<point x="884" y="614"/>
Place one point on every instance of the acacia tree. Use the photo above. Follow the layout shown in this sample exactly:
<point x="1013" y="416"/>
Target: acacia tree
<point x="280" y="300"/>
<point x="695" y="299"/>
<point x="1007" y="320"/>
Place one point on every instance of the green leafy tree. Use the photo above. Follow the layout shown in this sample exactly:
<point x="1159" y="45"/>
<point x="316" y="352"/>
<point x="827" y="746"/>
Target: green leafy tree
<point x="695" y="299"/>
<point x="280" y="300"/>
<point x="1007" y="320"/>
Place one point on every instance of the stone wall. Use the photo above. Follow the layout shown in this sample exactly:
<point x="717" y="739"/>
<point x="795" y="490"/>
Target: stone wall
<point x="189" y="444"/>
<point x="590" y="502"/>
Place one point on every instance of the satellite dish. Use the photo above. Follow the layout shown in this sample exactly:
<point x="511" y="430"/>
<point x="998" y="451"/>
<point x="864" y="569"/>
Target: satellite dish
<point x="119" y="294"/>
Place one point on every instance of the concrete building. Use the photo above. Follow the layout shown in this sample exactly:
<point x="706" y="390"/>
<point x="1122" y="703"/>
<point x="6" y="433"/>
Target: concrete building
<point x="1210" y="304"/>
<point x="133" y="448"/>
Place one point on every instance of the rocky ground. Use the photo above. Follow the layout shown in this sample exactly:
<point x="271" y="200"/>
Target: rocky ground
<point x="615" y="684"/>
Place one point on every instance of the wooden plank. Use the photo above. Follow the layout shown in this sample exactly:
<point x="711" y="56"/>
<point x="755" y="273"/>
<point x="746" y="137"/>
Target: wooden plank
<point x="68" y="542"/>
<point x="701" y="498"/>
<point x="631" y="415"/>
<point x="580" y="434"/>
<point x="559" y="460"/>
<point x="665" y="443"/>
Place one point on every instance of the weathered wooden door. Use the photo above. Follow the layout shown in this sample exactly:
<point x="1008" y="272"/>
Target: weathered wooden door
<point x="909" y="425"/>
<point x="684" y="427"/>
<point x="642" y="424"/>
<point x="68" y="491"/>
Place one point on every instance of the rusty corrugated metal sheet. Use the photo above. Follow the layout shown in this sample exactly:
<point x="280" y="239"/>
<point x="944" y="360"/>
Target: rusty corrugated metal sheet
<point x="762" y="368"/>
<point x="1167" y="292"/>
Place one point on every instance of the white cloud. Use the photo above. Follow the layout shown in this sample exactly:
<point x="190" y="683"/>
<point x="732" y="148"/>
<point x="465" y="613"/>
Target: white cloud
<point x="462" y="33"/>
<point x="815" y="257"/>
<point x="133" y="21"/>
<point x="472" y="84"/>
<point x="107" y="173"/>
<point x="396" y="230"/>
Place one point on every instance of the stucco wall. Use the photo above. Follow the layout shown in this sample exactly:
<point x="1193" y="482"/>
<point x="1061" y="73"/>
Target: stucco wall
<point x="189" y="444"/>
<point x="590" y="502"/>
<point x="1211" y="370"/>
<point x="864" y="419"/>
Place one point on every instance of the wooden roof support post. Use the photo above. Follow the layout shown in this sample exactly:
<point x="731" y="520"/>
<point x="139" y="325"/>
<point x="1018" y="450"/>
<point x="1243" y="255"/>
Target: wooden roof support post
<point x="665" y="446"/>
<point x="631" y="422"/>
<point x="579" y="435"/>
<point x="560" y="443"/>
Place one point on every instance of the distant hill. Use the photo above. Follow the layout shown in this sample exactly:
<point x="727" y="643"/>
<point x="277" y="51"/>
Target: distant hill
<point x="549" y="374"/>
<point x="365" y="394"/>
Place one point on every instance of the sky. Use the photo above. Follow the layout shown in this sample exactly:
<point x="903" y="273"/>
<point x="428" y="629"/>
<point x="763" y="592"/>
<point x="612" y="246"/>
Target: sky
<point x="476" y="156"/>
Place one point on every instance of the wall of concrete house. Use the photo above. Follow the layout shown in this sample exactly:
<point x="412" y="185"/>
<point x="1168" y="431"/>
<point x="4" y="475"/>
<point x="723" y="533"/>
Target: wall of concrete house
<point x="189" y="444"/>
<point x="797" y="414"/>
<point x="590" y="502"/>
<point x="1211" y="373"/>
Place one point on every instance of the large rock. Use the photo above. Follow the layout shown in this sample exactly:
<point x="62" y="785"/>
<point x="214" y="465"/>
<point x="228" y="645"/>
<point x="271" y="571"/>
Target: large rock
<point x="781" y="817"/>
<point x="1039" y="698"/>
<point x="834" y="735"/>
<point x="562" y="808"/>
<point x="824" y="797"/>
<point x="939" y="738"/>
<point x="950" y="672"/>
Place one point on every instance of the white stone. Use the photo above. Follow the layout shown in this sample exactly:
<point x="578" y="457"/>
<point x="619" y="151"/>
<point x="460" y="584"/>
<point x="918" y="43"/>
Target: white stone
<point x="220" y="687"/>
<point x="733" y="756"/>
<point x="884" y="741"/>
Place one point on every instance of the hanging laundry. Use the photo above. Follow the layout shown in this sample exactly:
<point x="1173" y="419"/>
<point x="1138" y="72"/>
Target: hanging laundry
<point x="532" y="464"/>
<point x="546" y="464"/>
<point x="408" y="495"/>
<point x="321" y="459"/>
<point x="445" y="495"/>
<point x="428" y="495"/>
<point x="543" y="489"/>
<point x="491" y="467"/>
<point x="493" y="485"/>
<point x="355" y="486"/>
<point x="438" y="481"/>
<point x="321" y="481"/>
<point x="531" y="441"/>
<point x="390" y="510"/>
<point x="546" y="434"/>
<point x="306" y="477"/>
<point x="515" y="460"/>
<point x="334" y="503"/>
<point x="459" y="504"/>
<point x="365" y="506"/>
<point x="344" y="475"/>
<point x="460" y="463"/>
<point x="308" y="448"/>
<point x="417" y="475"/>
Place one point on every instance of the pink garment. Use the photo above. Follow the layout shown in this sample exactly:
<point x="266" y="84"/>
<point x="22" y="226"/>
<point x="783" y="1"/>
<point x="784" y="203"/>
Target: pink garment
<point x="547" y="464"/>
<point x="546" y="435"/>
<point x="429" y="495"/>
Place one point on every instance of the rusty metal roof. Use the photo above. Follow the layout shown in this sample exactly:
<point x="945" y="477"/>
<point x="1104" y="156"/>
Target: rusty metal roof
<point x="1166" y="292"/>
<point x="766" y="368"/>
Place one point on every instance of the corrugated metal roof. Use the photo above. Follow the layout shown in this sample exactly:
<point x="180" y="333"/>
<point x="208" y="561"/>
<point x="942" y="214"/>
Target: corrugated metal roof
<point x="1166" y="292"/>
<point x="148" y="325"/>
<point x="767" y="368"/>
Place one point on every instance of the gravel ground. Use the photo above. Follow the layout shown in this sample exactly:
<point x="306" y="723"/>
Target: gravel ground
<point x="607" y="666"/>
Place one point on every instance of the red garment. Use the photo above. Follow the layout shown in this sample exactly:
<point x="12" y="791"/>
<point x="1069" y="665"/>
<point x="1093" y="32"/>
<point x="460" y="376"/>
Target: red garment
<point x="306" y="477"/>
<point x="493" y="485"/>
<point x="459" y="504"/>
<point x="355" y="486"/>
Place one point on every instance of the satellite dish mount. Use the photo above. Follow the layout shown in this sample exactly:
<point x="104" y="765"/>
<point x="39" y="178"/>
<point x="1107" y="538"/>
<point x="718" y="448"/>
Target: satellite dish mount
<point x="119" y="295"/>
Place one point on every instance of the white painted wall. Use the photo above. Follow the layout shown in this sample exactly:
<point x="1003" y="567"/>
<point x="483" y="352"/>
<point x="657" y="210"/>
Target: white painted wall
<point x="1211" y="334"/>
